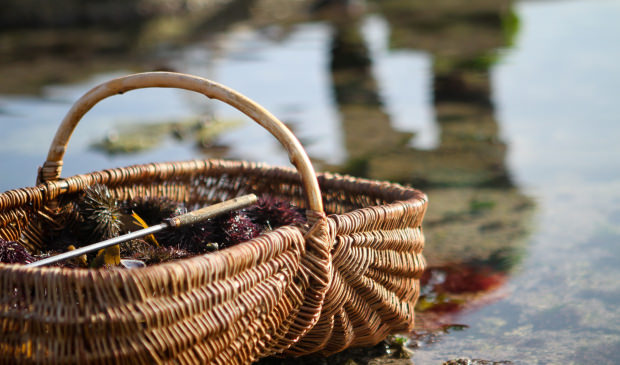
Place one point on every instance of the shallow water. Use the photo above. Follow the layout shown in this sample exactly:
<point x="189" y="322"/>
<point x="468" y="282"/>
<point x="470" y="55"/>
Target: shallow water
<point x="506" y="116"/>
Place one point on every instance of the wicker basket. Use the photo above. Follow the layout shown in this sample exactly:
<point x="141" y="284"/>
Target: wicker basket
<point x="345" y="279"/>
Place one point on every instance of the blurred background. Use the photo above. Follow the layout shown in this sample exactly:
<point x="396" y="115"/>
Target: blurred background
<point x="504" y="112"/>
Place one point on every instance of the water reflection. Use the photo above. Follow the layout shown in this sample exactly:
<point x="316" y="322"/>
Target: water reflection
<point x="478" y="219"/>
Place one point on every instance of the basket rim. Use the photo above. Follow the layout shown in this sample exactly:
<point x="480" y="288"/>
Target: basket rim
<point x="160" y="171"/>
<point x="13" y="198"/>
<point x="165" y="170"/>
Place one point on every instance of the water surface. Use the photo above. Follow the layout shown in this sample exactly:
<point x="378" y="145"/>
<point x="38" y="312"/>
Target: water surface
<point x="505" y="113"/>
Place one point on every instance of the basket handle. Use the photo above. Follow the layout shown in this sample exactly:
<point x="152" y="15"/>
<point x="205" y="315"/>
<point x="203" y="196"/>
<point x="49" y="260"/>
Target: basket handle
<point x="51" y="169"/>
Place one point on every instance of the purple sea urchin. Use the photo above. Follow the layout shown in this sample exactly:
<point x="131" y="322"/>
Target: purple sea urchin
<point x="222" y="231"/>
<point x="271" y="212"/>
<point x="236" y="227"/>
<point x="189" y="238"/>
<point x="14" y="253"/>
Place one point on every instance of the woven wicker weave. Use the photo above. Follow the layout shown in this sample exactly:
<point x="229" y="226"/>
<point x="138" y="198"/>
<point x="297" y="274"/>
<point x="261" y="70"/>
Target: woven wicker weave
<point x="345" y="279"/>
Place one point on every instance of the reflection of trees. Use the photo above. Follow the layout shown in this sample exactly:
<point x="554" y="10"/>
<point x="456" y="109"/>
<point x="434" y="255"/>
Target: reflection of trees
<point x="476" y="213"/>
<point x="366" y="125"/>
<point x="462" y="41"/>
